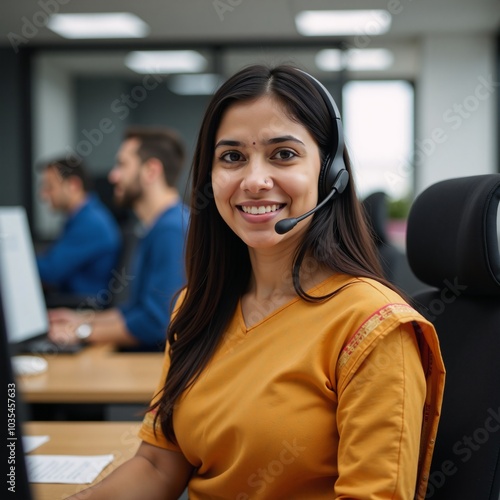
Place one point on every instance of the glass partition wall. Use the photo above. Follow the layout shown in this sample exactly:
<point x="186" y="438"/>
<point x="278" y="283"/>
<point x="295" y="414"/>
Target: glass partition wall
<point x="83" y="99"/>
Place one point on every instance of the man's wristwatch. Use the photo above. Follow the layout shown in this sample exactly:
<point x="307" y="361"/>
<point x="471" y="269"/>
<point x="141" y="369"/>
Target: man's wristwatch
<point x="83" y="331"/>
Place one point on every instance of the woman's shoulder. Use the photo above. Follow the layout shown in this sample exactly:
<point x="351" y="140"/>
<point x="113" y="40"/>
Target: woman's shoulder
<point x="359" y="289"/>
<point x="357" y="300"/>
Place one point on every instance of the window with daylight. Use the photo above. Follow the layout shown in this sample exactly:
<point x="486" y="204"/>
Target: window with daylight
<point x="378" y="121"/>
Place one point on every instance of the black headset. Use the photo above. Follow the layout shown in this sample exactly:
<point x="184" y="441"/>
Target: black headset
<point x="333" y="175"/>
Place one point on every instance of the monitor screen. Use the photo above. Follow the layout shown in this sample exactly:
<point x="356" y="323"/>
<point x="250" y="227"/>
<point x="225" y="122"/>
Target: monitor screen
<point x="21" y="287"/>
<point x="14" y="465"/>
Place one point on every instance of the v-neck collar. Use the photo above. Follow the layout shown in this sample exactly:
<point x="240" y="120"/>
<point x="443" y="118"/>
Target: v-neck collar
<point x="239" y="310"/>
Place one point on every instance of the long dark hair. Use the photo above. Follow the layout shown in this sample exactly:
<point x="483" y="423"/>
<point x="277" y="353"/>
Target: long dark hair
<point x="217" y="261"/>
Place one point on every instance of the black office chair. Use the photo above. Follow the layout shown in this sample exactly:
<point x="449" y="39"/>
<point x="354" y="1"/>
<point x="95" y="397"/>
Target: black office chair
<point x="375" y="206"/>
<point x="393" y="260"/>
<point x="453" y="245"/>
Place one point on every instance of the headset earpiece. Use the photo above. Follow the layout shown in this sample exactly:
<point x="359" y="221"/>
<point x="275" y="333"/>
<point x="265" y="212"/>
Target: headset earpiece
<point x="333" y="173"/>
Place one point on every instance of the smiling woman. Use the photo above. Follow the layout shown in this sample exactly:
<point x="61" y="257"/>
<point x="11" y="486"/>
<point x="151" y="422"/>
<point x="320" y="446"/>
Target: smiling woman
<point x="338" y="370"/>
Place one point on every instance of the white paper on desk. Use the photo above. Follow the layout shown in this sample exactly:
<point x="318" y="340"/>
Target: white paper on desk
<point x="32" y="442"/>
<point x="68" y="469"/>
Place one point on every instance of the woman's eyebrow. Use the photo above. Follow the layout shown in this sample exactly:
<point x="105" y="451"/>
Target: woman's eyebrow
<point x="284" y="138"/>
<point x="228" y="142"/>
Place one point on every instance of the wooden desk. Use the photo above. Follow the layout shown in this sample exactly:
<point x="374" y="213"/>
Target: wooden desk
<point x="82" y="438"/>
<point x="97" y="374"/>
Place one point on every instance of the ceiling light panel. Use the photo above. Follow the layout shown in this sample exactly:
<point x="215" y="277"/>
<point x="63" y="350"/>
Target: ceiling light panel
<point x="195" y="84"/>
<point x="343" y="22"/>
<point x="354" y="59"/>
<point x="165" y="61"/>
<point x="104" y="25"/>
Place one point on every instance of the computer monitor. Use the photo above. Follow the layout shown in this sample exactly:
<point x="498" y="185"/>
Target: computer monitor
<point x="23" y="300"/>
<point x="14" y="469"/>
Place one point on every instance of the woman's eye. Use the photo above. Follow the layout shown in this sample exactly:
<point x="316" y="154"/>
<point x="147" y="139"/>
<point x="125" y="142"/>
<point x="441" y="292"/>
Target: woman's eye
<point x="231" y="156"/>
<point x="284" y="154"/>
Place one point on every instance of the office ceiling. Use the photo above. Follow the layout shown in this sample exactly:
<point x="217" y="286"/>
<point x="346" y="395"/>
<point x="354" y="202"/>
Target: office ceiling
<point x="255" y="22"/>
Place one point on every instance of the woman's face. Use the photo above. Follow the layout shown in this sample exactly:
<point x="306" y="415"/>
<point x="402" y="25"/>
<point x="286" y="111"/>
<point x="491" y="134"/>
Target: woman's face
<point x="265" y="168"/>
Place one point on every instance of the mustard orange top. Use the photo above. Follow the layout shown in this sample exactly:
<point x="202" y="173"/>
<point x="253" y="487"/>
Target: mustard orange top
<point x="338" y="399"/>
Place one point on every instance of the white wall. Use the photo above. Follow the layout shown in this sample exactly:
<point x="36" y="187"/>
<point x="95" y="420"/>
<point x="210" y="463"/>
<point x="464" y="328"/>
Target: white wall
<point x="53" y="128"/>
<point x="456" y="96"/>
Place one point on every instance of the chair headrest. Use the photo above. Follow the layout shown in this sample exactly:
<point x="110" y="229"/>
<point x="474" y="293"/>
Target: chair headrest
<point x="375" y="206"/>
<point x="452" y="234"/>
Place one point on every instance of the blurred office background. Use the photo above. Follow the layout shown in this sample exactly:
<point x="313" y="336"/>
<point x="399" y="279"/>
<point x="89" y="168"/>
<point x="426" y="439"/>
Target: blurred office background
<point x="417" y="83"/>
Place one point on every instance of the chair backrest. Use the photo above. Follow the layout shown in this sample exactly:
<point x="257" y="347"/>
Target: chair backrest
<point x="453" y="246"/>
<point x="393" y="259"/>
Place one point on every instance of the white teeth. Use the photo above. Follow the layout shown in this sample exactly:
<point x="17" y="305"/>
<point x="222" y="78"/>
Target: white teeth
<point x="260" y="210"/>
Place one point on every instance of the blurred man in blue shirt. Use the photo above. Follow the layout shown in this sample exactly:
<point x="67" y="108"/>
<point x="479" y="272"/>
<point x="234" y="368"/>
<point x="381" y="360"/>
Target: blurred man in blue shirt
<point x="85" y="253"/>
<point x="147" y="167"/>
